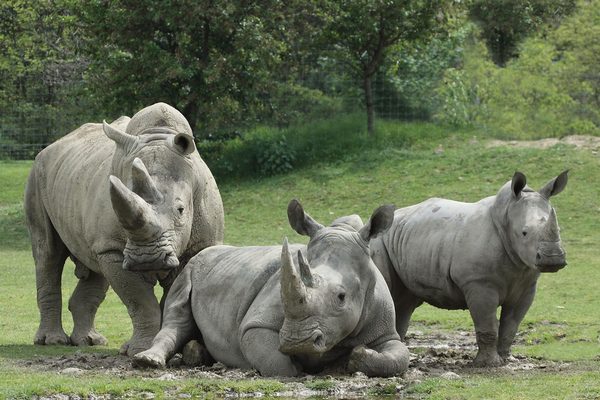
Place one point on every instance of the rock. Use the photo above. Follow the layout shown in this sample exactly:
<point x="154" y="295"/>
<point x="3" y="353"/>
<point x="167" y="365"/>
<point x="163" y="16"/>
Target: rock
<point x="167" y="377"/>
<point x="176" y="361"/>
<point x="450" y="375"/>
<point x="195" y="354"/>
<point x="72" y="371"/>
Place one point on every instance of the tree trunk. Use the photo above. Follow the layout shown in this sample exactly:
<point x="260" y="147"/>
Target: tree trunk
<point x="369" y="103"/>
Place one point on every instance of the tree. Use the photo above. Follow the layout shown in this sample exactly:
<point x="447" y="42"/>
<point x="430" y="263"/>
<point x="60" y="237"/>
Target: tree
<point x="38" y="72"/>
<point x="362" y="31"/>
<point x="505" y="23"/>
<point x="213" y="60"/>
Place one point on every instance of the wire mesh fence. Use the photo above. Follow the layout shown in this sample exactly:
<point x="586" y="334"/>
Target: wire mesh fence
<point x="45" y="114"/>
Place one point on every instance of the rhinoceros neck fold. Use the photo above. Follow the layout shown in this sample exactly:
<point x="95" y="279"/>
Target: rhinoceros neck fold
<point x="499" y="216"/>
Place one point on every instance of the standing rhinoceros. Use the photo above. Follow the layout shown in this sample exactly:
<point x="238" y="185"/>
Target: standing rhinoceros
<point x="278" y="312"/>
<point x="478" y="256"/>
<point x="121" y="200"/>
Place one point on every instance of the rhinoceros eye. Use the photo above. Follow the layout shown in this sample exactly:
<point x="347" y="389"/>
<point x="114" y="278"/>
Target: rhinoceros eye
<point x="180" y="209"/>
<point x="341" y="297"/>
<point x="524" y="233"/>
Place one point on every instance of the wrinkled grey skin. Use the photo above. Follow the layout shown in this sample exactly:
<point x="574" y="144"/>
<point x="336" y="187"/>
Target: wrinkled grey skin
<point x="130" y="203"/>
<point x="283" y="312"/>
<point x="475" y="256"/>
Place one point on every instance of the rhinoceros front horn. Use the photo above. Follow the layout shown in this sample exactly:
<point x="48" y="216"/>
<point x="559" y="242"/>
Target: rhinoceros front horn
<point x="132" y="211"/>
<point x="293" y="291"/>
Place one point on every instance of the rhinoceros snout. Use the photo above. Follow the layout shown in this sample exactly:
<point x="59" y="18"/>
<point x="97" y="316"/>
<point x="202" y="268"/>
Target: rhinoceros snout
<point x="550" y="263"/>
<point x="314" y="344"/>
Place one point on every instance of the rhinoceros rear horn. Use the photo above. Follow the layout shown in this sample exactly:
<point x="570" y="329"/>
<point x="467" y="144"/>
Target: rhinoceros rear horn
<point x="300" y="221"/>
<point x="132" y="211"/>
<point x="380" y="221"/>
<point x="555" y="186"/>
<point x="293" y="291"/>
<point x="142" y="182"/>
<point x="183" y="143"/>
<point x="121" y="138"/>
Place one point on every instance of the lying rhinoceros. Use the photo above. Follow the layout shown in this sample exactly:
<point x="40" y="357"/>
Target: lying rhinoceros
<point x="121" y="200"/>
<point x="478" y="256"/>
<point x="256" y="308"/>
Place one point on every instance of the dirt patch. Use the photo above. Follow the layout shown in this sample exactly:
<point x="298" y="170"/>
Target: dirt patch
<point x="583" y="142"/>
<point x="433" y="355"/>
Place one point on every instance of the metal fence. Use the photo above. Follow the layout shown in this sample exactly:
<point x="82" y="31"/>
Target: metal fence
<point x="27" y="126"/>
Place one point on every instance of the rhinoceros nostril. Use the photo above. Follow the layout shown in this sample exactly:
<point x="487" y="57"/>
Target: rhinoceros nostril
<point x="318" y="340"/>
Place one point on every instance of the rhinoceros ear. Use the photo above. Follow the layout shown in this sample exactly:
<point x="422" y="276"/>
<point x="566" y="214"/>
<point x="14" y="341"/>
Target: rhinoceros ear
<point x="183" y="143"/>
<point x="555" y="186"/>
<point x="518" y="183"/>
<point x="379" y="222"/>
<point x="300" y="221"/>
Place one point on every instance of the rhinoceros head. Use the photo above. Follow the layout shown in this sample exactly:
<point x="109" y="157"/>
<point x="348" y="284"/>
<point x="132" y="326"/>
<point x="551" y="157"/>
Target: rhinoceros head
<point x="531" y="225"/>
<point x="151" y="191"/>
<point x="323" y="297"/>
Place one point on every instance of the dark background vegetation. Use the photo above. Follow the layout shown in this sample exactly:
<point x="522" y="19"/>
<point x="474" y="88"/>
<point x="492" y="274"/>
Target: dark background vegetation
<point x="265" y="84"/>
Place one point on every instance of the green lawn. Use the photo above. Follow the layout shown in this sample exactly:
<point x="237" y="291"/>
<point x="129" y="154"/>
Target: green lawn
<point x="562" y="325"/>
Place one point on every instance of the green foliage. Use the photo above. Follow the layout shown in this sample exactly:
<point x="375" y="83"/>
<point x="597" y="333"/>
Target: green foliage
<point x="273" y="155"/>
<point x="551" y="90"/>
<point x="505" y="23"/>
<point x="416" y="68"/>
<point x="320" y="384"/>
<point x="361" y="33"/>
<point x="39" y="76"/>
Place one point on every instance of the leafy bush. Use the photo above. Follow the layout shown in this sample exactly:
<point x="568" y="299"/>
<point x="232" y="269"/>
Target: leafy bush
<point x="551" y="90"/>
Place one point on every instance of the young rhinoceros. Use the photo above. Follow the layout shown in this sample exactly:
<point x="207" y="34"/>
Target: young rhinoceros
<point x="122" y="200"/>
<point x="283" y="311"/>
<point x="478" y="256"/>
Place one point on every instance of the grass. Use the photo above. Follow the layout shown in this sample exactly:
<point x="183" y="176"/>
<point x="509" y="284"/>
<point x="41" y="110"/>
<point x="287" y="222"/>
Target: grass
<point x="563" y="324"/>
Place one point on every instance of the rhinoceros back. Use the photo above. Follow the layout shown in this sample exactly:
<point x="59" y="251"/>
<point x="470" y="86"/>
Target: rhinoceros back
<point x="225" y="282"/>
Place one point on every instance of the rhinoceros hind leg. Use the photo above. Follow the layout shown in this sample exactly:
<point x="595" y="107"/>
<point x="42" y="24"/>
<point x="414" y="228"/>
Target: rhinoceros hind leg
<point x="49" y="254"/>
<point x="83" y="304"/>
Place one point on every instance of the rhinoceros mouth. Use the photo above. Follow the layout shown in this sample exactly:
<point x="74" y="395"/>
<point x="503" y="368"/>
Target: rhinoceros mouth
<point x="314" y="343"/>
<point x="149" y="257"/>
<point x="552" y="262"/>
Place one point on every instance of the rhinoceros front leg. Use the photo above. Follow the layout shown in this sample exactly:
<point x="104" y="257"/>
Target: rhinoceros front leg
<point x="138" y="296"/>
<point x="386" y="359"/>
<point x="178" y="325"/>
<point x="483" y="303"/>
<point x="510" y="319"/>
<point x="49" y="254"/>
<point x="83" y="304"/>
<point x="260" y="347"/>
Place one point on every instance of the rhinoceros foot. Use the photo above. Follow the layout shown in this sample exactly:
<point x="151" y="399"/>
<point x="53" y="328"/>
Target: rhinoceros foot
<point x="45" y="337"/>
<point x="148" y="359"/>
<point x="487" y="360"/>
<point x="92" y="338"/>
<point x="135" y="346"/>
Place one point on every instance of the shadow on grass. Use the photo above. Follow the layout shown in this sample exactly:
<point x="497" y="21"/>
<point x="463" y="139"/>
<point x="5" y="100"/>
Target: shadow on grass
<point x="31" y="351"/>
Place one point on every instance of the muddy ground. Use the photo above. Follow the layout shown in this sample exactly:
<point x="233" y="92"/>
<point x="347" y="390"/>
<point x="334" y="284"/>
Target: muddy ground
<point x="443" y="355"/>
